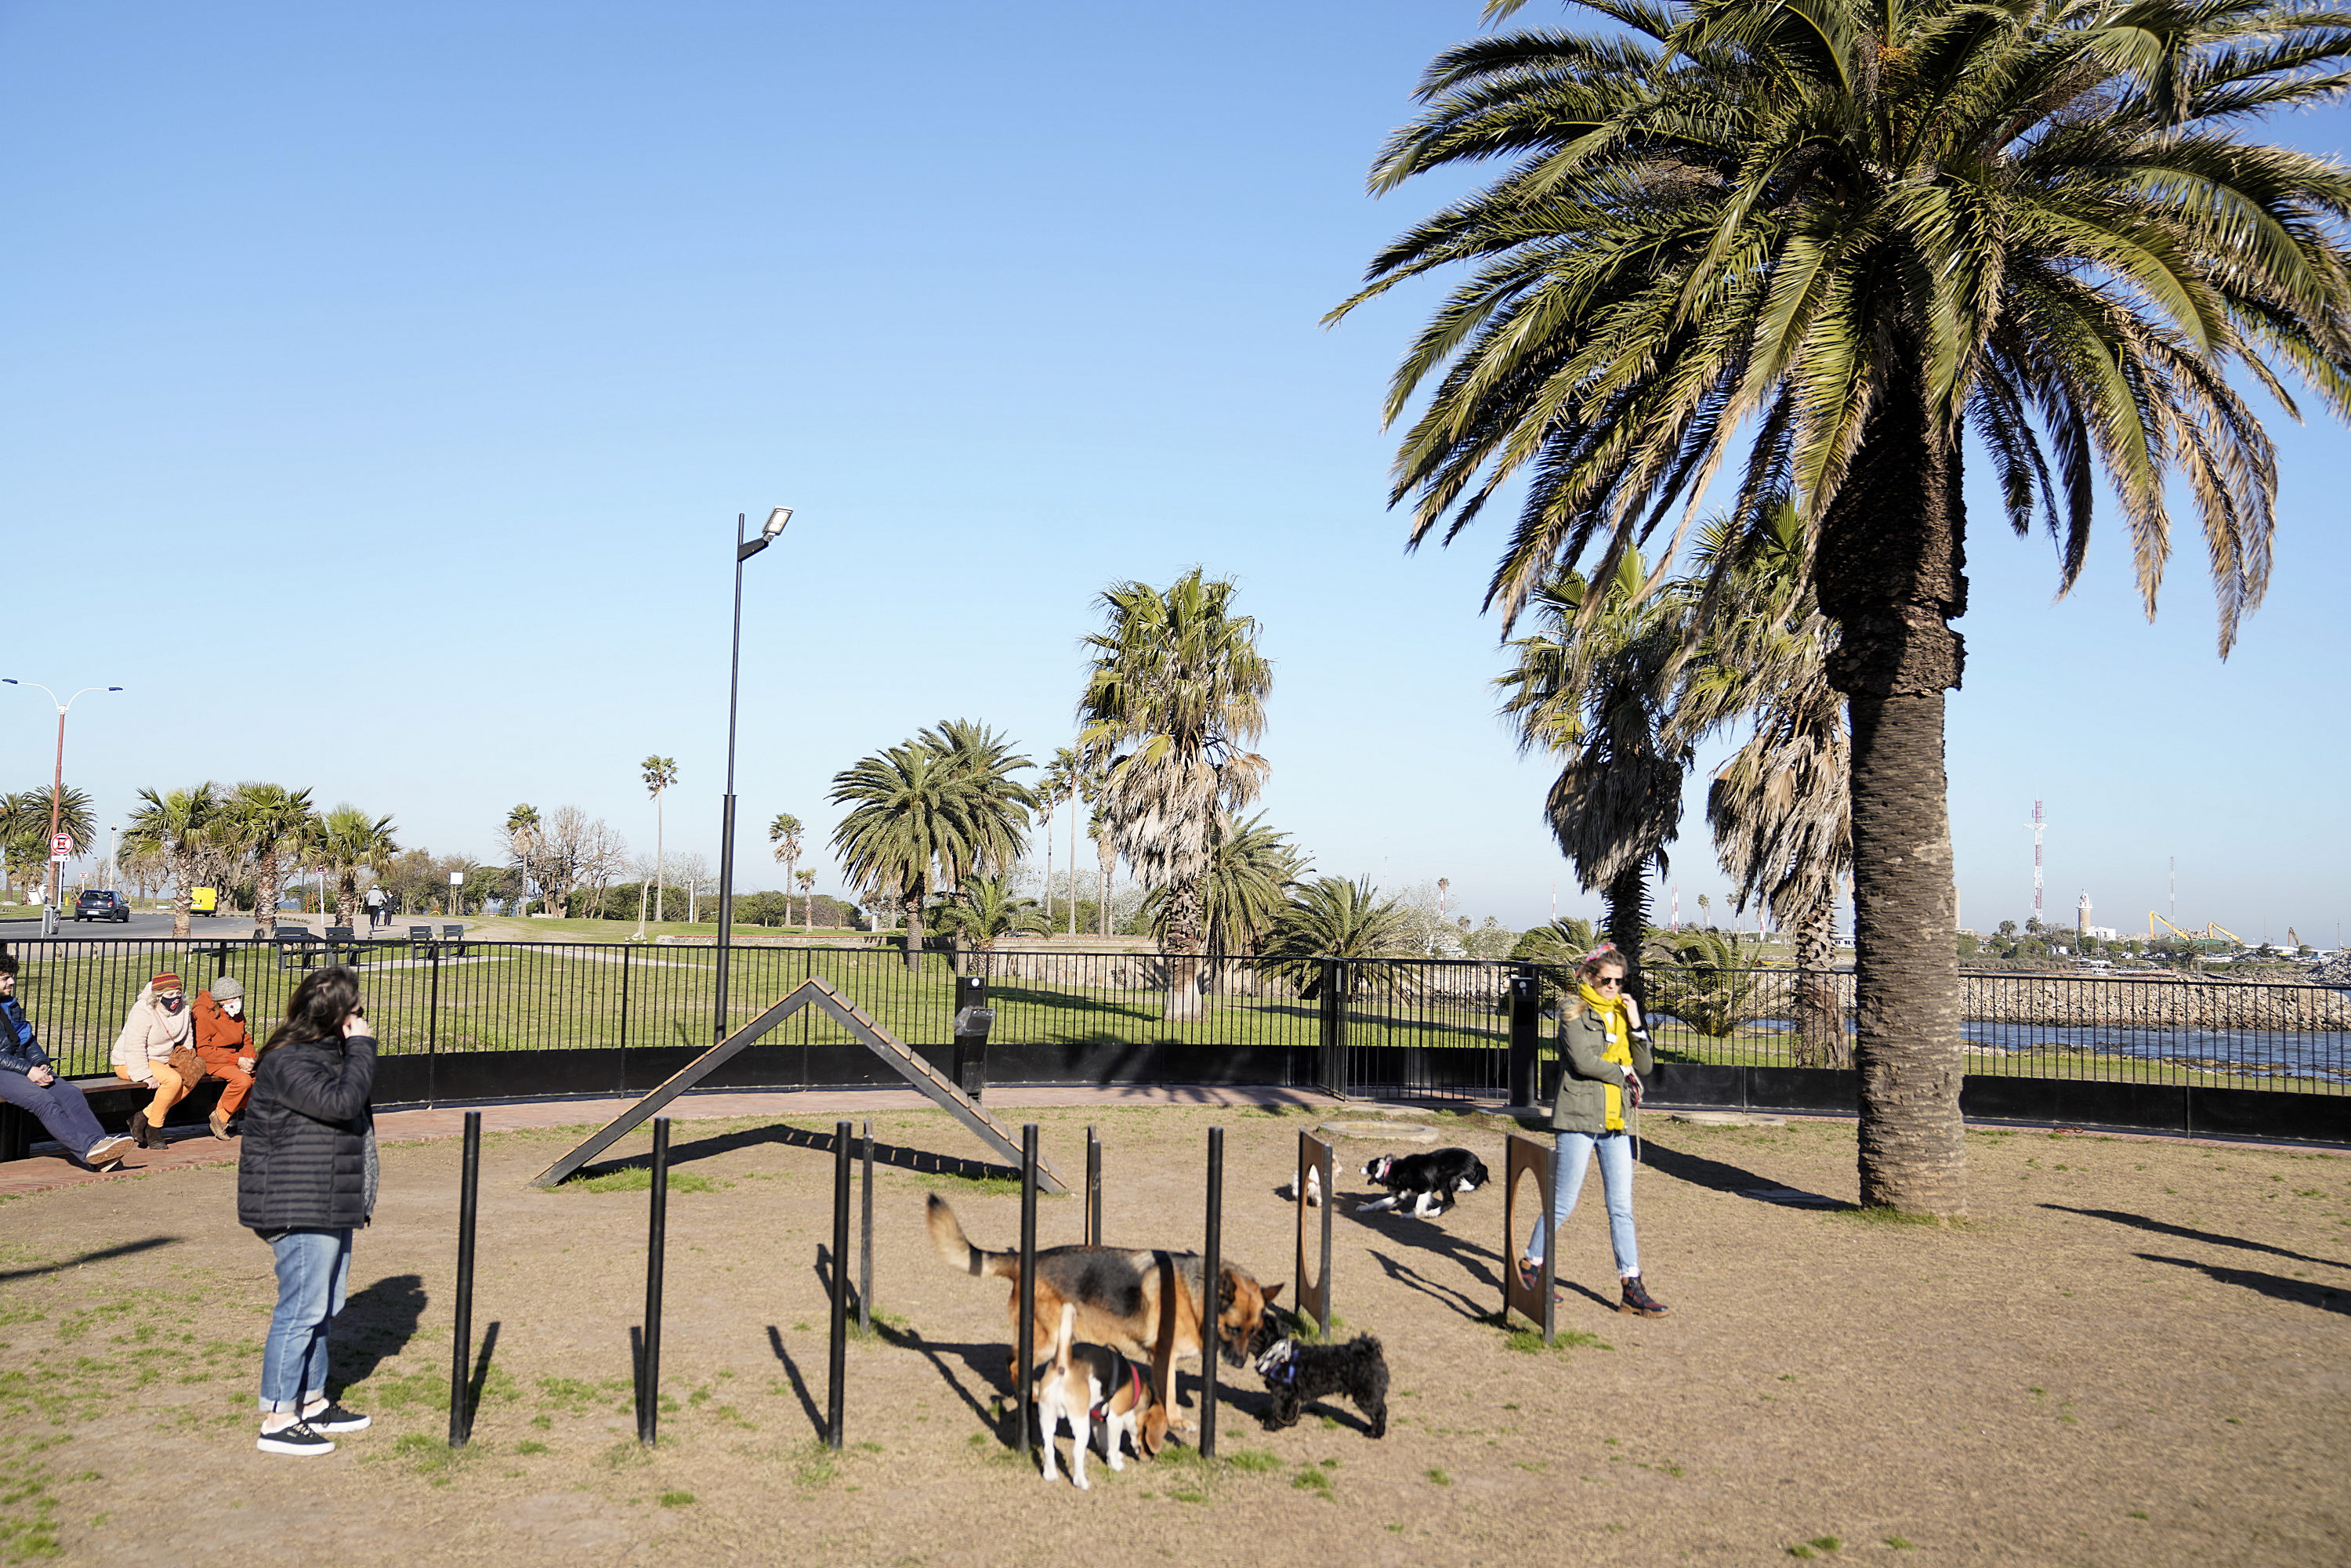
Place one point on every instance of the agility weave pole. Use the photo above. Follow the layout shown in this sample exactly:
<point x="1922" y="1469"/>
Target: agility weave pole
<point x="907" y="1062"/>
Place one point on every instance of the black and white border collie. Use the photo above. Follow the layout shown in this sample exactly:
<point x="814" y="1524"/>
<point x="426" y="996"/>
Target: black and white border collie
<point x="1430" y="1182"/>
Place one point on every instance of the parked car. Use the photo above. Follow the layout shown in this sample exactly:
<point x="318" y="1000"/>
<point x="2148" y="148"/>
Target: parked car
<point x="96" y="905"/>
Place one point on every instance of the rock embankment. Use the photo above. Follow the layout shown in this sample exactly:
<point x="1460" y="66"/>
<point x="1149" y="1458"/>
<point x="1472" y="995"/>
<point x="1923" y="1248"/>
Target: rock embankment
<point x="2334" y="971"/>
<point x="2182" y="1003"/>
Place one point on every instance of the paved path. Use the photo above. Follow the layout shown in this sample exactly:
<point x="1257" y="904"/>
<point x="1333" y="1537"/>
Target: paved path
<point x="191" y="1147"/>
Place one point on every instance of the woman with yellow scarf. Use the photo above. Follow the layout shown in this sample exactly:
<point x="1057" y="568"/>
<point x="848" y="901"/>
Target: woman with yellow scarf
<point x="1605" y="1052"/>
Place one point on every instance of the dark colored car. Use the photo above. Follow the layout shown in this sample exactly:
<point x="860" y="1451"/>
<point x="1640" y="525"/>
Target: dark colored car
<point x="96" y="905"/>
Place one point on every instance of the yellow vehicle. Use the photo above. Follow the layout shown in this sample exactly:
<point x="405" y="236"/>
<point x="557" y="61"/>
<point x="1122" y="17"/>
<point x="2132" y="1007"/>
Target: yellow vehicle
<point x="204" y="900"/>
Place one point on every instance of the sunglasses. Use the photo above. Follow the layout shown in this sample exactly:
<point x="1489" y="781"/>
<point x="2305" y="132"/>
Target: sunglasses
<point x="1617" y="980"/>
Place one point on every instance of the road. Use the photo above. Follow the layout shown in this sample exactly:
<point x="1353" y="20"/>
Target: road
<point x="142" y="923"/>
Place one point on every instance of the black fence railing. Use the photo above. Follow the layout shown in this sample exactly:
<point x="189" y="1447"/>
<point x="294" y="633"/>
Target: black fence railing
<point x="1421" y="1027"/>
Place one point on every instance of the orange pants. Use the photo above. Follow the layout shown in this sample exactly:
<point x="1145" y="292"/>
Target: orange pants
<point x="170" y="1090"/>
<point x="239" y="1082"/>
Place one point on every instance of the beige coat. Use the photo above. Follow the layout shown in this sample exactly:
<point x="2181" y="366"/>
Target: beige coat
<point x="151" y="1034"/>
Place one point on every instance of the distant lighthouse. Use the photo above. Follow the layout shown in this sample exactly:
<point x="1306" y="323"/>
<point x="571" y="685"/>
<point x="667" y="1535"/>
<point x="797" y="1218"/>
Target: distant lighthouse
<point x="2082" y="915"/>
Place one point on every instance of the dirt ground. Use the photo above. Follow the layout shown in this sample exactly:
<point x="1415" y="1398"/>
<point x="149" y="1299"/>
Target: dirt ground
<point x="2135" y="1352"/>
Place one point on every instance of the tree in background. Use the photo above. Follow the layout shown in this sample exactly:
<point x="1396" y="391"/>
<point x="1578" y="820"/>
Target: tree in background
<point x="24" y="828"/>
<point x="1842" y="235"/>
<point x="1174" y="695"/>
<point x="272" y="829"/>
<point x="934" y="808"/>
<point x="1252" y="871"/>
<point x="784" y="840"/>
<point x="1054" y="786"/>
<point x="1589" y="685"/>
<point x="984" y="911"/>
<point x="522" y="842"/>
<point x="1332" y="917"/>
<point x="351" y="842"/>
<point x="807" y="880"/>
<point x="177" y="834"/>
<point x="659" y="773"/>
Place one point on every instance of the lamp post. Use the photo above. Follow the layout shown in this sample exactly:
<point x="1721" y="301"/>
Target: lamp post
<point x="57" y="795"/>
<point x="743" y="550"/>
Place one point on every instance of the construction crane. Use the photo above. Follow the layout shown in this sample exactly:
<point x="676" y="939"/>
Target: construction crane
<point x="2292" y="941"/>
<point x="2212" y="932"/>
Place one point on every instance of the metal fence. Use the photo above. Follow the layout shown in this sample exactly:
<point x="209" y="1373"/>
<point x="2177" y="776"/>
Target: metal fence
<point x="1418" y="1026"/>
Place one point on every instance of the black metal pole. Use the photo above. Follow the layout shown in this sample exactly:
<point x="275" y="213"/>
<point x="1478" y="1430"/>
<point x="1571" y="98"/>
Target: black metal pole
<point x="837" y="1351"/>
<point x="1330" y="1205"/>
<point x="1025" y="1331"/>
<point x="1212" y="1279"/>
<point x="865" y="1243"/>
<point x="460" y="1358"/>
<point x="1093" y="1188"/>
<point x="726" y="816"/>
<point x="656" y="1245"/>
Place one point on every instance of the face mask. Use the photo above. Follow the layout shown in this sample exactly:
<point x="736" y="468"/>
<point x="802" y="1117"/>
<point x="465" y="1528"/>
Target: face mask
<point x="234" y="1007"/>
<point x="171" y="1004"/>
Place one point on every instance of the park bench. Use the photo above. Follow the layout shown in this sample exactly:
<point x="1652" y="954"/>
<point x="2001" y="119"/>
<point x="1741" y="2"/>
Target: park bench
<point x="344" y="943"/>
<point x="112" y="1100"/>
<point x="455" y="936"/>
<point x="296" y="948"/>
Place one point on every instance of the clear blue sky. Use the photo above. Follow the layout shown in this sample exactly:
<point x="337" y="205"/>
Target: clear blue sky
<point x="383" y="383"/>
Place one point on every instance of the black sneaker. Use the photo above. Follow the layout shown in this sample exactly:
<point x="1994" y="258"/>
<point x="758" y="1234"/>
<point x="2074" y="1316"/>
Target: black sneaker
<point x="1638" y="1302"/>
<point x="301" y="1440"/>
<point x="333" y="1417"/>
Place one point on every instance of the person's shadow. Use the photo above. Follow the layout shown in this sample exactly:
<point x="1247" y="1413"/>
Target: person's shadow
<point x="374" y="1325"/>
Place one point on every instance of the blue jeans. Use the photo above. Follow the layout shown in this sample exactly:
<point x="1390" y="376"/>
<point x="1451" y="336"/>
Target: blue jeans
<point x="313" y="1267"/>
<point x="63" y="1109"/>
<point x="1570" y="1158"/>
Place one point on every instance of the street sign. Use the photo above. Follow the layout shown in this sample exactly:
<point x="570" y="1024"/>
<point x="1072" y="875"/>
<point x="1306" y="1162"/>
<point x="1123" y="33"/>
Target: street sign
<point x="457" y="879"/>
<point x="60" y="846"/>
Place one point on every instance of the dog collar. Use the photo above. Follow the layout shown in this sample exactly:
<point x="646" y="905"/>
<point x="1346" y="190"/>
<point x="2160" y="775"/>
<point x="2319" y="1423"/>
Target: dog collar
<point x="1134" y="1391"/>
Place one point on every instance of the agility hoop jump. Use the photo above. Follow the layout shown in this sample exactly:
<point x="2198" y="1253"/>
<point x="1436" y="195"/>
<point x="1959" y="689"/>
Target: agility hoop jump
<point x="907" y="1062"/>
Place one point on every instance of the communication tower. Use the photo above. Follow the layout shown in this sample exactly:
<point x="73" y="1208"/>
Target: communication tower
<point x="2081" y="914"/>
<point x="2040" y="826"/>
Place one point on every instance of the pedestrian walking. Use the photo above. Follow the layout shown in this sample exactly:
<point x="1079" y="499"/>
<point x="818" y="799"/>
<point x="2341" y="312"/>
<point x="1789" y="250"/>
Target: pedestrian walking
<point x="155" y="1051"/>
<point x="224" y="1046"/>
<point x="305" y="1179"/>
<point x="1604" y="1053"/>
<point x="28" y="1080"/>
<point x="376" y="907"/>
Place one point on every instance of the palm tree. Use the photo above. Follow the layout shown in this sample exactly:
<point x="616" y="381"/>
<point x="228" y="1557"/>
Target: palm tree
<point x="178" y="834"/>
<point x="350" y="841"/>
<point x="784" y="836"/>
<point x="1176" y="693"/>
<point x="1590" y="686"/>
<point x="273" y="827"/>
<point x="1779" y="804"/>
<point x="522" y="832"/>
<point x="1054" y="786"/>
<point x="24" y="828"/>
<point x="1841" y="235"/>
<point x="659" y="773"/>
<point x="984" y="910"/>
<point x="807" y="880"/>
<point x="1252" y="871"/>
<point x="1332" y="917"/>
<point x="938" y="807"/>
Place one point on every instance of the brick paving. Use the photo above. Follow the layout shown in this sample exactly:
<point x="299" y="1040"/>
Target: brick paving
<point x="192" y="1147"/>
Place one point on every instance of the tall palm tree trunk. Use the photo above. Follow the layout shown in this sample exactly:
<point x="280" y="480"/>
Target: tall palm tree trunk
<point x="1820" y="1018"/>
<point x="1184" y="1000"/>
<point x="1106" y="852"/>
<point x="265" y="888"/>
<point x="183" y="894"/>
<point x="912" y="906"/>
<point x="1628" y="898"/>
<point x="1890" y="560"/>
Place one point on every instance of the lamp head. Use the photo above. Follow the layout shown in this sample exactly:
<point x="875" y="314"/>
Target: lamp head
<point x="775" y="521"/>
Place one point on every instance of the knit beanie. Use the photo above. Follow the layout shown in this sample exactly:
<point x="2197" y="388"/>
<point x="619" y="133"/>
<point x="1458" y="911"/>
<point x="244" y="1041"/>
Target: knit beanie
<point x="165" y="982"/>
<point x="225" y="988"/>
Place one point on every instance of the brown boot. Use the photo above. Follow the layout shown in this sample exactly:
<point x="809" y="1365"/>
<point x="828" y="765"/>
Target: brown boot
<point x="219" y="1123"/>
<point x="138" y="1128"/>
<point x="1639" y="1303"/>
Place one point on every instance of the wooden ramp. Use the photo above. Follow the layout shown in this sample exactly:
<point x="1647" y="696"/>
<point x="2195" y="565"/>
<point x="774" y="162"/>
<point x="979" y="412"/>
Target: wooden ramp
<point x="873" y="1035"/>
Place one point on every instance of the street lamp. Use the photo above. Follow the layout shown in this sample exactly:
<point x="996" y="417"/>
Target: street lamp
<point x="57" y="794"/>
<point x="743" y="550"/>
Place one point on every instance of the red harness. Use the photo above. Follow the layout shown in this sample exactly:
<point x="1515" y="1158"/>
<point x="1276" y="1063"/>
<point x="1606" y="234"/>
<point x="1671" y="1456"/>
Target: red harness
<point x="1135" y="1374"/>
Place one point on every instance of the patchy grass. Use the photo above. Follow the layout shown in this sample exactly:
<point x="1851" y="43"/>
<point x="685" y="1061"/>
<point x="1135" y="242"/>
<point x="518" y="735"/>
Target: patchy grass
<point x="640" y="1178"/>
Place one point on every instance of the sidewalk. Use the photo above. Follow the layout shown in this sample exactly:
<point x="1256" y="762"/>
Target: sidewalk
<point x="194" y="1147"/>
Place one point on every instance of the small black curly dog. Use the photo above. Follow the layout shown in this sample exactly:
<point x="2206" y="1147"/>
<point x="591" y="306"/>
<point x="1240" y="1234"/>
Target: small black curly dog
<point x="1296" y="1373"/>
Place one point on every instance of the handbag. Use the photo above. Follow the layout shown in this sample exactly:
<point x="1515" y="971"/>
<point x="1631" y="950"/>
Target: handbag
<point x="188" y="1065"/>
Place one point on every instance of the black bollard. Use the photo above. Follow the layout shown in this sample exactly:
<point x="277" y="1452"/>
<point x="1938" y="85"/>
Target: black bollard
<point x="1025" y="1329"/>
<point x="837" y="1358"/>
<point x="1212" y="1281"/>
<point x="461" y="1359"/>
<point x="865" y="1246"/>
<point x="656" y="1245"/>
<point x="1093" y="1189"/>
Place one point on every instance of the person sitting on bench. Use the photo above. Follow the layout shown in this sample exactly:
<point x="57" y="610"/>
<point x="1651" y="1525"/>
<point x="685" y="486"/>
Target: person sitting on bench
<point x="153" y="1053"/>
<point x="225" y="1046"/>
<point x="28" y="1081"/>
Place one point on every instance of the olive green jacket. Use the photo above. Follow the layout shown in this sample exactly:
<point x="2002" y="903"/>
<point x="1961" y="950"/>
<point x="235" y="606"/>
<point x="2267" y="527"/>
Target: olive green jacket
<point x="1586" y="1072"/>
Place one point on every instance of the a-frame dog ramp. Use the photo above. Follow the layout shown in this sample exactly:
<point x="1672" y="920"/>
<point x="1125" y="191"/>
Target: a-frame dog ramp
<point x="873" y="1035"/>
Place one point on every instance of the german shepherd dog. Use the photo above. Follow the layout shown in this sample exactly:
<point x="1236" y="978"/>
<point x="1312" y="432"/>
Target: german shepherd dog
<point x="1144" y="1303"/>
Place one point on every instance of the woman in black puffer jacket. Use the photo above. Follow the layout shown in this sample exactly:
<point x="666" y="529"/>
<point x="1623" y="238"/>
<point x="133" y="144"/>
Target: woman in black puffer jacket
<point x="305" y="1178"/>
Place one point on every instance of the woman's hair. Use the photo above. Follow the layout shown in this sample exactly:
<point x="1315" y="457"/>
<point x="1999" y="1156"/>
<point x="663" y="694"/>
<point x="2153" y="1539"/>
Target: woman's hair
<point x="1604" y="956"/>
<point x="317" y="1009"/>
<point x="7" y="962"/>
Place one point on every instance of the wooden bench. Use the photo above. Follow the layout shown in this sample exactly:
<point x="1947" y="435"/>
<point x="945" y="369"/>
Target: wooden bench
<point x="113" y="1101"/>
<point x="453" y="936"/>
<point x="296" y="948"/>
